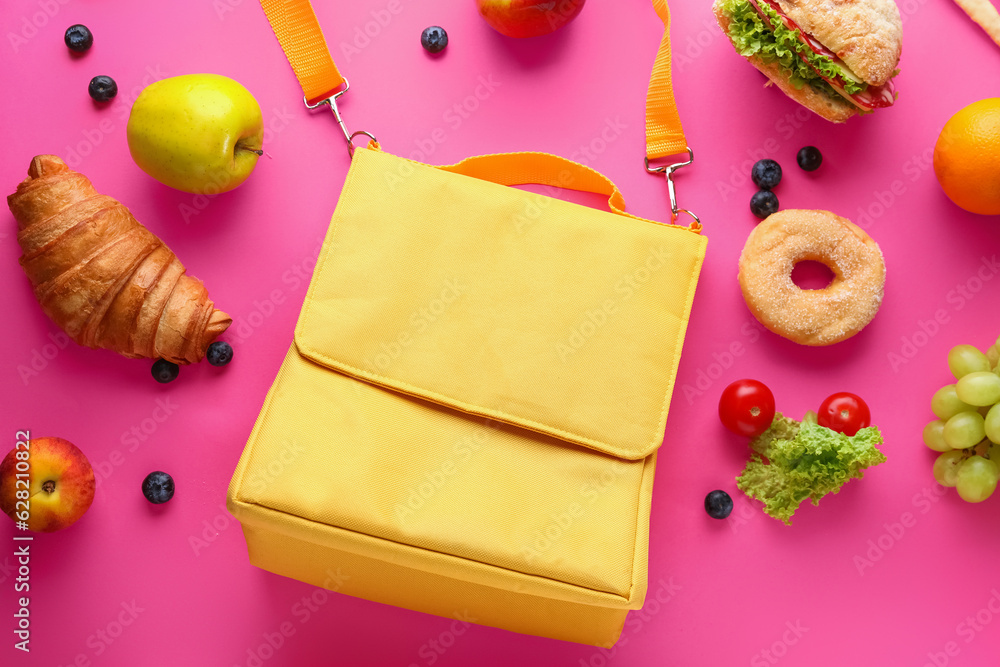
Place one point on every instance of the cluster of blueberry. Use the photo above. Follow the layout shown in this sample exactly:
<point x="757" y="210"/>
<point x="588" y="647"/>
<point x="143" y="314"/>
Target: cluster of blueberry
<point x="219" y="353"/>
<point x="766" y="174"/>
<point x="79" y="39"/>
<point x="103" y="88"/>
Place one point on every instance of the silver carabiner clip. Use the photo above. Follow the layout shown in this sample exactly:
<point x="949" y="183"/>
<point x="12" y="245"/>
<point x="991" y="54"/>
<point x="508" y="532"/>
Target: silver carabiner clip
<point x="669" y="170"/>
<point x="332" y="102"/>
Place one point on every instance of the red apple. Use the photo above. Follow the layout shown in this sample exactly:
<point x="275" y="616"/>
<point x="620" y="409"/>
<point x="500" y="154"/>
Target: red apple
<point x="60" y="484"/>
<point x="528" y="18"/>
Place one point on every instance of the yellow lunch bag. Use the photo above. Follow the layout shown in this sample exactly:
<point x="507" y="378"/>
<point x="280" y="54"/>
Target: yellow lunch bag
<point x="466" y="422"/>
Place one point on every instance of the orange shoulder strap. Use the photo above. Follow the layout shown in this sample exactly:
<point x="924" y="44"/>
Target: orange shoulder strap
<point x="295" y="25"/>
<point x="664" y="135"/>
<point x="298" y="31"/>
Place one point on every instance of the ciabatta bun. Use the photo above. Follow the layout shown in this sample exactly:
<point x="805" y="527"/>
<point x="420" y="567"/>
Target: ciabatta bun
<point x="866" y="34"/>
<point x="831" y="107"/>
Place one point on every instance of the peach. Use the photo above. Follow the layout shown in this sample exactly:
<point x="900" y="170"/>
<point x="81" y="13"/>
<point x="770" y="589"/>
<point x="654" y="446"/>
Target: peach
<point x="58" y="489"/>
<point x="528" y="18"/>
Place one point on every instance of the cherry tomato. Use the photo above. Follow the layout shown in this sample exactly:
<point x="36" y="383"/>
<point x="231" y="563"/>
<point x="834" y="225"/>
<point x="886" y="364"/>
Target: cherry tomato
<point x="844" y="412"/>
<point x="746" y="407"/>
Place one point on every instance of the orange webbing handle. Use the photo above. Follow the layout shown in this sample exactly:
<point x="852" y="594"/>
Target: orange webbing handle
<point x="298" y="31"/>
<point x="542" y="169"/>
<point x="545" y="169"/>
<point x="295" y="25"/>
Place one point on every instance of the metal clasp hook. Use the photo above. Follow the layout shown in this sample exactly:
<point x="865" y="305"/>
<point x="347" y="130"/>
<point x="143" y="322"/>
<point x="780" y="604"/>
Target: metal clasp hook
<point x="332" y="102"/>
<point x="669" y="170"/>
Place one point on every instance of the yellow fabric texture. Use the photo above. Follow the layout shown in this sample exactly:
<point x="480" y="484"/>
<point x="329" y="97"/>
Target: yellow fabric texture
<point x="295" y="25"/>
<point x="443" y="595"/>
<point x="468" y="417"/>
<point x="664" y="135"/>
<point x="580" y="291"/>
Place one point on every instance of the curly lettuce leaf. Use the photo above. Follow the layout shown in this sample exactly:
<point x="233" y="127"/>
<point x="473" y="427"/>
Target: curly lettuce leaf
<point x="793" y="461"/>
<point x="751" y="36"/>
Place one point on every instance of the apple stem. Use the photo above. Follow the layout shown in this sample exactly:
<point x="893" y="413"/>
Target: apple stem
<point x="48" y="486"/>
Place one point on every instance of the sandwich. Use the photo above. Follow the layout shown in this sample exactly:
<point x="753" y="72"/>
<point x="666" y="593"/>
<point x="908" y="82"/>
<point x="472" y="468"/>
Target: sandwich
<point x="835" y="57"/>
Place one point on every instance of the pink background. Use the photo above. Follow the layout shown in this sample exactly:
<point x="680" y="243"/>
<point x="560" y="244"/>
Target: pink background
<point x="732" y="589"/>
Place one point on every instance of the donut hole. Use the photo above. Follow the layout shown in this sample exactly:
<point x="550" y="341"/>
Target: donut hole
<point x="812" y="275"/>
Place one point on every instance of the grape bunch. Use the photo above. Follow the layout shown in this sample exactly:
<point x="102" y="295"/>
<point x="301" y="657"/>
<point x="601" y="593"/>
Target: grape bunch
<point x="967" y="428"/>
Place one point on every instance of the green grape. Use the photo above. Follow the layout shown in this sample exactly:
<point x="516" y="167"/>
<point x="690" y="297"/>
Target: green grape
<point x="993" y="454"/>
<point x="977" y="479"/>
<point x="946" y="467"/>
<point x="993" y="355"/>
<point x="979" y="388"/>
<point x="964" y="430"/>
<point x="965" y="359"/>
<point x="946" y="403"/>
<point x="991" y="425"/>
<point x="934" y="436"/>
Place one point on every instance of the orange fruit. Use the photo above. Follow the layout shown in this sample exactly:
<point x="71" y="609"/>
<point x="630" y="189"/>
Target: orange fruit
<point x="967" y="157"/>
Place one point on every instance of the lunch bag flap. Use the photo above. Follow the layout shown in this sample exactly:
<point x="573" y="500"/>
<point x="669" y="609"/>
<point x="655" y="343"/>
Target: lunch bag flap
<point x="555" y="317"/>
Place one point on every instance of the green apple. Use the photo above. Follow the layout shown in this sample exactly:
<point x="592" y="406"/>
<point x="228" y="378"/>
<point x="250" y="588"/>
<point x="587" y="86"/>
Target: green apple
<point x="200" y="133"/>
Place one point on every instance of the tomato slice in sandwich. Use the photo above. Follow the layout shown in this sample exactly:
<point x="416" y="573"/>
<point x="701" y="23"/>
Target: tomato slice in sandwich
<point x="872" y="97"/>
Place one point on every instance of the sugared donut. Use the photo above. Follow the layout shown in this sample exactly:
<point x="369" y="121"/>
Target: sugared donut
<point x="812" y="317"/>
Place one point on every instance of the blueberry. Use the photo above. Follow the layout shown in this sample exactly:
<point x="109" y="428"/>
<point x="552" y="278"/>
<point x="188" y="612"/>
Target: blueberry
<point x="718" y="504"/>
<point x="165" y="371"/>
<point x="219" y="353"/>
<point x="102" y="88"/>
<point x="766" y="174"/>
<point x="78" y="38"/>
<point x="809" y="158"/>
<point x="158" y="487"/>
<point x="763" y="203"/>
<point x="434" y="39"/>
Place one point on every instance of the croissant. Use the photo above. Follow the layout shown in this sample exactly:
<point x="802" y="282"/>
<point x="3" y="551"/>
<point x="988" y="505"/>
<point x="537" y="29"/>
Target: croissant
<point x="102" y="277"/>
